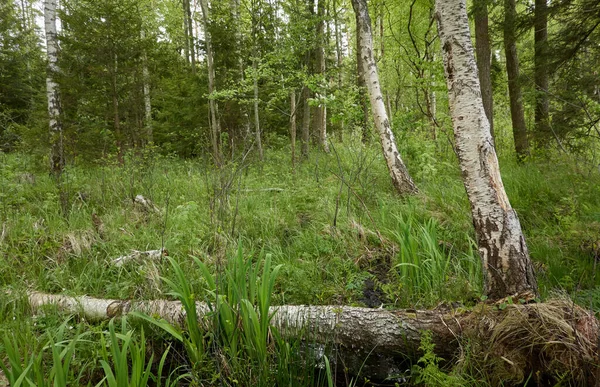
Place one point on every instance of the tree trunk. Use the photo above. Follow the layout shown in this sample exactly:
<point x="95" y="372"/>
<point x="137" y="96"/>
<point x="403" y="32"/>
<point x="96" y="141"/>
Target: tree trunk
<point x="305" y="121"/>
<point x="115" y="105"/>
<point x="57" y="160"/>
<point x="186" y="33"/>
<point x="146" y="90"/>
<point x="517" y="113"/>
<point x="505" y="259"/>
<point x="542" y="124"/>
<point x="484" y="58"/>
<point x="256" y="117"/>
<point x="214" y="114"/>
<point x="398" y="172"/>
<point x="362" y="86"/>
<point x="353" y="334"/>
<point x="190" y="34"/>
<point x="339" y="61"/>
<point x="293" y="126"/>
<point x="320" y="111"/>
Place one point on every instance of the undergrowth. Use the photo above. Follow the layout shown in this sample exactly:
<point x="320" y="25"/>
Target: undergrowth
<point x="333" y="228"/>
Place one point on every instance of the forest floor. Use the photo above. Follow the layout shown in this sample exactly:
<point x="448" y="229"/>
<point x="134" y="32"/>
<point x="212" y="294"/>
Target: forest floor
<point x="341" y="234"/>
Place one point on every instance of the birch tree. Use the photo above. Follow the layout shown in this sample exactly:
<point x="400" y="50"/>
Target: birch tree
<point x="398" y="172"/>
<point x="52" y="91"/>
<point x="506" y="264"/>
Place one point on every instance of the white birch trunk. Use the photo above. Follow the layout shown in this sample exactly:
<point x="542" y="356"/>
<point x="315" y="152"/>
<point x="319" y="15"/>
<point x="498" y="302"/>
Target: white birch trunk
<point x="52" y="91"/>
<point x="506" y="264"/>
<point x="146" y="90"/>
<point x="214" y="114"/>
<point x="398" y="172"/>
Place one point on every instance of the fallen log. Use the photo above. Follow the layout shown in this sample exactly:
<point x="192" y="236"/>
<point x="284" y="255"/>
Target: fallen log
<point x="146" y="204"/>
<point x="512" y="340"/>
<point x="140" y="256"/>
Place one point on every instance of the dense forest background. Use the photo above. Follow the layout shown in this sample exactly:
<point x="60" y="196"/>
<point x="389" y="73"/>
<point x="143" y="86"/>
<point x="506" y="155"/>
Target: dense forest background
<point x="228" y="152"/>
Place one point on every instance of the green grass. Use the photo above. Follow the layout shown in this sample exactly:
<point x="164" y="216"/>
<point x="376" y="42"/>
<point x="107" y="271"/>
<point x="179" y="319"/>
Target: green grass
<point x="335" y="230"/>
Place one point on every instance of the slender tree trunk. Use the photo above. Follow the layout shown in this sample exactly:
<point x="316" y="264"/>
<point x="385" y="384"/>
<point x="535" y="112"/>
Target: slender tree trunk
<point x="542" y="124"/>
<point x="256" y="117"/>
<point x="362" y="86"/>
<point x="214" y="114"/>
<point x="190" y="35"/>
<point x="186" y="32"/>
<point x="57" y="160"/>
<point x="116" y="115"/>
<point x="517" y="113"/>
<point x="321" y="112"/>
<point x="339" y="60"/>
<point x="398" y="172"/>
<point x="147" y="100"/>
<point x="484" y="58"/>
<point x="506" y="264"/>
<point x="305" y="121"/>
<point x="293" y="126"/>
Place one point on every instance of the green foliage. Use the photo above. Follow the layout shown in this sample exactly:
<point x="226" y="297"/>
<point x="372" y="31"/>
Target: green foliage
<point x="427" y="371"/>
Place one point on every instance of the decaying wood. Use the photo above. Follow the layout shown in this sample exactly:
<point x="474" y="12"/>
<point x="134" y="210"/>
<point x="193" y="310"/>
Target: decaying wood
<point x="562" y="335"/>
<point x="140" y="256"/>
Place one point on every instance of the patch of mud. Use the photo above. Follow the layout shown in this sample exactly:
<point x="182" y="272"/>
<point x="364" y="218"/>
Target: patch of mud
<point x="377" y="262"/>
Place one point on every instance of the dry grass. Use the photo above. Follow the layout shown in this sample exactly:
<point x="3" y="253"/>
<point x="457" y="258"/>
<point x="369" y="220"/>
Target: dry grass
<point x="546" y="343"/>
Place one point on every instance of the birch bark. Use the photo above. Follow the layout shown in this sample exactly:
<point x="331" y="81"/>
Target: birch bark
<point x="398" y="172"/>
<point x="52" y="91"/>
<point x="506" y="264"/>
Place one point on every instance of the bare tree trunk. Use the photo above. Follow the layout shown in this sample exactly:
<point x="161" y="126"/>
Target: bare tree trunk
<point x="147" y="100"/>
<point x="362" y="86"/>
<point x="190" y="34"/>
<point x="506" y="264"/>
<point x="305" y="121"/>
<point x="339" y="60"/>
<point x="214" y="114"/>
<point x="517" y="113"/>
<point x="186" y="32"/>
<point x="116" y="115"/>
<point x="398" y="172"/>
<point x="57" y="159"/>
<point x="542" y="124"/>
<point x="256" y="117"/>
<point x="293" y="126"/>
<point x="484" y="58"/>
<point x="321" y="112"/>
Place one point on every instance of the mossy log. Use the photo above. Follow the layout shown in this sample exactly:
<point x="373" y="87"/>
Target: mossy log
<point x="511" y="341"/>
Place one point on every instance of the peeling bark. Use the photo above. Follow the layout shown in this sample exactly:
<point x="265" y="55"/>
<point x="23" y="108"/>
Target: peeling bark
<point x="506" y="264"/>
<point x="376" y="342"/>
<point x="398" y="172"/>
